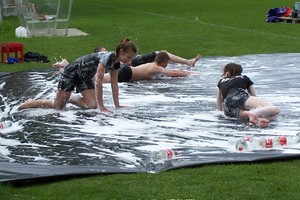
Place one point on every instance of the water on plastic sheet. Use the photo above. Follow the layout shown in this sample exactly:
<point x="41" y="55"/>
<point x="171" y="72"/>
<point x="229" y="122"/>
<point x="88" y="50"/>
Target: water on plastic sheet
<point x="161" y="113"/>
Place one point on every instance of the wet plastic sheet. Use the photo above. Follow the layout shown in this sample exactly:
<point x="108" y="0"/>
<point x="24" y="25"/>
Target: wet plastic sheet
<point x="176" y="113"/>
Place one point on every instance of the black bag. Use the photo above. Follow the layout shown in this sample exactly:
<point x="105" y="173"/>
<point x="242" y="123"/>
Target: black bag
<point x="35" y="57"/>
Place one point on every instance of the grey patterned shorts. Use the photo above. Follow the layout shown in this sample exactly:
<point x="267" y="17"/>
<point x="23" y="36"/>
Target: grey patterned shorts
<point x="234" y="102"/>
<point x="68" y="85"/>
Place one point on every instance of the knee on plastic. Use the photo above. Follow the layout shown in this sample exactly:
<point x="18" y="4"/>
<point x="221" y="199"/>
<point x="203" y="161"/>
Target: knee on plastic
<point x="91" y="105"/>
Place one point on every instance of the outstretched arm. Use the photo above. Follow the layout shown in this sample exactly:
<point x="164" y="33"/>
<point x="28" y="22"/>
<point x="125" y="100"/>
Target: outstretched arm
<point x="219" y="100"/>
<point x="175" y="73"/>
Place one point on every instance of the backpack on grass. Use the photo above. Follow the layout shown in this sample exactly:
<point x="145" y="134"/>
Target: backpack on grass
<point x="35" y="57"/>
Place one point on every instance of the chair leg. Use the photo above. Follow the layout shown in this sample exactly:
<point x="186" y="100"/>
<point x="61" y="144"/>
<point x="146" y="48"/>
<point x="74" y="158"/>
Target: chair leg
<point x="2" y="54"/>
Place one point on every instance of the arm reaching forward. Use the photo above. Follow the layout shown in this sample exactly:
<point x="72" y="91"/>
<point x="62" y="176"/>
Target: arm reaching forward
<point x="175" y="73"/>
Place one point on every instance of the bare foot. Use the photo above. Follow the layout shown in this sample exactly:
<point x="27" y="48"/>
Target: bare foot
<point x="193" y="61"/>
<point x="61" y="64"/>
<point x="262" y="122"/>
<point x="254" y="119"/>
<point x="25" y="105"/>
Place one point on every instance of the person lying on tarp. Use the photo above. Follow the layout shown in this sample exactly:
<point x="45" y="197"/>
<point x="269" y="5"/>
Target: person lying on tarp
<point x="147" y="71"/>
<point x="142" y="59"/>
<point x="145" y="66"/>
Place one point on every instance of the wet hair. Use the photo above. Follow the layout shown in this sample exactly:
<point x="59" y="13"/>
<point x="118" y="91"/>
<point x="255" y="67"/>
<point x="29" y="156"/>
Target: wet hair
<point x="233" y="69"/>
<point x="126" y="45"/>
<point x="99" y="49"/>
<point x="162" y="57"/>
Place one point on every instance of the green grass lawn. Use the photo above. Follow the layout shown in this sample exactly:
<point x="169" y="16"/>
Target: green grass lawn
<point x="185" y="28"/>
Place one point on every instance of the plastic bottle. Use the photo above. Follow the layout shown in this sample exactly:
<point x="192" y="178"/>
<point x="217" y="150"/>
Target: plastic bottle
<point x="267" y="142"/>
<point x="247" y="143"/>
<point x="163" y="155"/>
<point x="5" y="124"/>
<point x="241" y="145"/>
<point x="279" y="141"/>
<point x="286" y="140"/>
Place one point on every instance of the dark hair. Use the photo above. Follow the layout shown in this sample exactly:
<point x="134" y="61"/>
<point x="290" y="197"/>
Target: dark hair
<point x="162" y="57"/>
<point x="233" y="69"/>
<point x="126" y="45"/>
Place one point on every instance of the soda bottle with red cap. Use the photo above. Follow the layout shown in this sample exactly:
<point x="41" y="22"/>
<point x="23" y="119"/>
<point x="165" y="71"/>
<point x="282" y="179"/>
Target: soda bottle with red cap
<point x="250" y="143"/>
<point x="241" y="144"/>
<point x="286" y="140"/>
<point x="267" y="142"/>
<point x="163" y="154"/>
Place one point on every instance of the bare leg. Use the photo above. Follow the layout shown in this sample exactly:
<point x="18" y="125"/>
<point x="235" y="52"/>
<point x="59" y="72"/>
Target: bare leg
<point x="180" y="60"/>
<point x="86" y="100"/>
<point x="261" y="107"/>
<point x="255" y="102"/>
<point x="59" y="103"/>
<point x="267" y="111"/>
<point x="40" y="103"/>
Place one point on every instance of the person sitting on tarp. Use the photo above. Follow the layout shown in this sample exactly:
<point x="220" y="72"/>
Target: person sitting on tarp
<point x="274" y="13"/>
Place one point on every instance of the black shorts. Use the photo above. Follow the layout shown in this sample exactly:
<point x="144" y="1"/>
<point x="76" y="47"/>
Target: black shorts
<point x="68" y="85"/>
<point x="142" y="59"/>
<point x="125" y="73"/>
<point x="234" y="102"/>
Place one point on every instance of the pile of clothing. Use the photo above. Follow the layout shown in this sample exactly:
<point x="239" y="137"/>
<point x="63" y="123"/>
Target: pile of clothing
<point x="274" y="13"/>
<point x="35" y="57"/>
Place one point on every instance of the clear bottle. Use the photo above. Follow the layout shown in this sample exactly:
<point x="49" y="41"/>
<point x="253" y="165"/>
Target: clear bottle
<point x="163" y="155"/>
<point x="5" y="124"/>
<point x="241" y="144"/>
<point x="266" y="142"/>
<point x="278" y="141"/>
<point x="281" y="140"/>
<point x="250" y="143"/>
<point x="286" y="140"/>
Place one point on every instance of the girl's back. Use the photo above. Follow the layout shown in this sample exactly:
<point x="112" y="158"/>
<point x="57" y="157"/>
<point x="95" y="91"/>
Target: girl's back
<point x="228" y="84"/>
